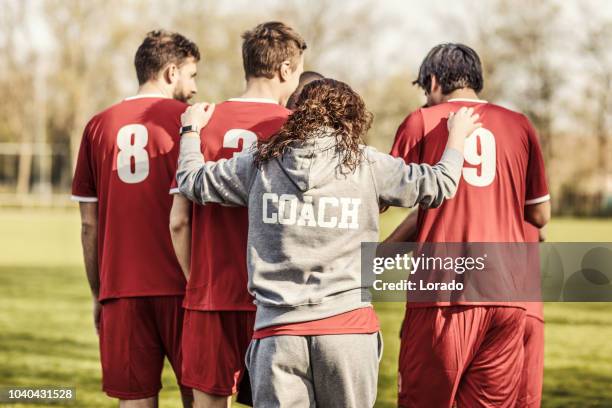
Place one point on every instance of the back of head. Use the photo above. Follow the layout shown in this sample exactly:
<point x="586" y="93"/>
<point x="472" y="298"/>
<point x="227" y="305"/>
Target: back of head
<point x="267" y="46"/>
<point x="159" y="49"/>
<point x="454" y="65"/>
<point x="325" y="106"/>
<point x="306" y="78"/>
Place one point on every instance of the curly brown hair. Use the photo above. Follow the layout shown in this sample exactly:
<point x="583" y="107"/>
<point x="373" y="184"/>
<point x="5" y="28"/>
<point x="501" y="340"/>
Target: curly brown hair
<point x="323" y="104"/>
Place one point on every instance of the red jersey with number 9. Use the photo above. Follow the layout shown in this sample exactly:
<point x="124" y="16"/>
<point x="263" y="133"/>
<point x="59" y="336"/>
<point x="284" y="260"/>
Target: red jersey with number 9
<point x="218" y="277"/>
<point x="127" y="159"/>
<point x="503" y="172"/>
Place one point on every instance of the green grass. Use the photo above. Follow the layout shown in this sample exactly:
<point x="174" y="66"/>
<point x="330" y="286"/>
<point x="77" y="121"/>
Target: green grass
<point x="47" y="337"/>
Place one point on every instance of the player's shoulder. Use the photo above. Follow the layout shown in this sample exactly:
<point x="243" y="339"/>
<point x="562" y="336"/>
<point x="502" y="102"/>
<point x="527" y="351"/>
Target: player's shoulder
<point x="492" y="110"/>
<point x="139" y="105"/>
<point x="167" y="105"/>
<point x="510" y="117"/>
<point x="502" y="110"/>
<point x="257" y="106"/>
<point x="105" y="113"/>
<point x="414" y="118"/>
<point x="265" y="117"/>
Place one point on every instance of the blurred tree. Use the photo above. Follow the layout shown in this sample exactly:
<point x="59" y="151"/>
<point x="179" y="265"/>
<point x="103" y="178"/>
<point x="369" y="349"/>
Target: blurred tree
<point x="532" y="33"/>
<point x="16" y="86"/>
<point x="217" y="34"/>
<point x="88" y="38"/>
<point x="391" y="99"/>
<point x="85" y="63"/>
<point x="598" y="86"/>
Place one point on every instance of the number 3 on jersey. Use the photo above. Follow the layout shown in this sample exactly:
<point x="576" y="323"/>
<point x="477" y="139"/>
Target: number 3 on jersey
<point x="131" y="141"/>
<point x="231" y="139"/>
<point x="485" y="159"/>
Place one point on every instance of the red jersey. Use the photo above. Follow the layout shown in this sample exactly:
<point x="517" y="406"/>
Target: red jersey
<point x="218" y="277"/>
<point x="503" y="172"/>
<point x="127" y="159"/>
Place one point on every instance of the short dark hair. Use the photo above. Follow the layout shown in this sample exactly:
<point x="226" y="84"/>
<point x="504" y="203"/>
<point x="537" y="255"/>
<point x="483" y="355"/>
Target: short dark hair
<point x="159" y="48"/>
<point x="265" y="47"/>
<point x="454" y="65"/>
<point x="305" y="78"/>
<point x="309" y="76"/>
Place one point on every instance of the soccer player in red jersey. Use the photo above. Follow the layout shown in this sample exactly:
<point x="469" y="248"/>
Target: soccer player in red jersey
<point x="126" y="162"/>
<point x="220" y="313"/>
<point x="463" y="353"/>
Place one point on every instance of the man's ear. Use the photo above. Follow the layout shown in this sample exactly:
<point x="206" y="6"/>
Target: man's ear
<point x="171" y="73"/>
<point x="434" y="84"/>
<point x="285" y="71"/>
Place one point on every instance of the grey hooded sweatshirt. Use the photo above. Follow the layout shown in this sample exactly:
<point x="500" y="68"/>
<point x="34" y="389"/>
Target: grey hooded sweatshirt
<point x="307" y="218"/>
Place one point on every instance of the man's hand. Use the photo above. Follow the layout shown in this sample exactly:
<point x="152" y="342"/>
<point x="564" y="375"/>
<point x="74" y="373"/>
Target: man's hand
<point x="542" y="234"/>
<point x="198" y="114"/>
<point x="97" y="309"/>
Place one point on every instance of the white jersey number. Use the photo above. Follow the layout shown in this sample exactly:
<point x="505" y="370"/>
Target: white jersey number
<point x="484" y="174"/>
<point x="232" y="138"/>
<point x="129" y="150"/>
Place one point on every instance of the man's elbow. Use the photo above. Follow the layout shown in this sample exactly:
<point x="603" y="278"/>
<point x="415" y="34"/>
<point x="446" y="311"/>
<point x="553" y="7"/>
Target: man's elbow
<point x="89" y="227"/>
<point x="538" y="214"/>
<point x="179" y="223"/>
<point x="539" y="220"/>
<point x="449" y="187"/>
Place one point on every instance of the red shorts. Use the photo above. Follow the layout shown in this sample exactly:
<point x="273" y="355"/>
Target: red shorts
<point x="135" y="336"/>
<point x="214" y="346"/>
<point x="530" y="393"/>
<point x="471" y="356"/>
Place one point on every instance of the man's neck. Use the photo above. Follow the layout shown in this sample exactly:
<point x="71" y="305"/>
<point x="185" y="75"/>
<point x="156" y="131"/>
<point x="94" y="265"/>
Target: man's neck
<point x="463" y="93"/>
<point x="262" y="88"/>
<point x="153" y="88"/>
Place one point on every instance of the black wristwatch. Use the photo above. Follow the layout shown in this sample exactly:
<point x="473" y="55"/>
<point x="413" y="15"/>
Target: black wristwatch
<point x="189" y="128"/>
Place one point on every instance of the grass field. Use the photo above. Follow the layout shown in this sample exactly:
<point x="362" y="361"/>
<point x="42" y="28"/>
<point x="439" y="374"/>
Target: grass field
<point x="47" y="337"/>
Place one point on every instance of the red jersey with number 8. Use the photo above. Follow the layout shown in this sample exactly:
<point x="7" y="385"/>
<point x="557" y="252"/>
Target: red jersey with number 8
<point x="503" y="171"/>
<point x="218" y="278"/>
<point x="127" y="160"/>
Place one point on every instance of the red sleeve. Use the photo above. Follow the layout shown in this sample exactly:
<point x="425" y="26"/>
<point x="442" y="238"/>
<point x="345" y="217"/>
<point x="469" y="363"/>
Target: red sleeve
<point x="407" y="144"/>
<point x="177" y="124"/>
<point x="536" y="187"/>
<point x="84" y="181"/>
<point x="174" y="186"/>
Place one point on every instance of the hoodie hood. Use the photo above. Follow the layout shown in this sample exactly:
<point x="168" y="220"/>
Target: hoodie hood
<point x="313" y="162"/>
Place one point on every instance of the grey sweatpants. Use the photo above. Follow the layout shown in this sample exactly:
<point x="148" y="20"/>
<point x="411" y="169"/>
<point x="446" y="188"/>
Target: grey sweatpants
<point x="315" y="371"/>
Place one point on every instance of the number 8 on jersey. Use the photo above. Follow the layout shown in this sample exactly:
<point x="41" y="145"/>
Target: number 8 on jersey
<point x="128" y="150"/>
